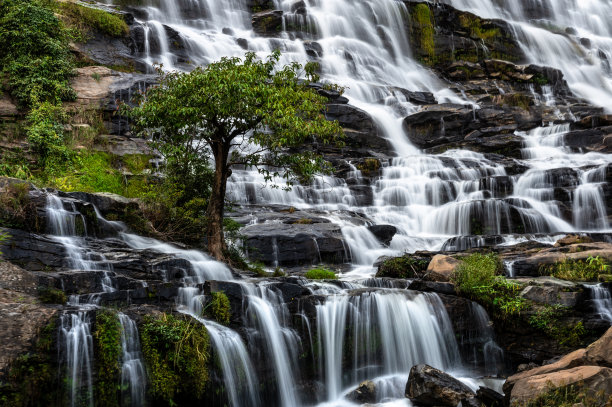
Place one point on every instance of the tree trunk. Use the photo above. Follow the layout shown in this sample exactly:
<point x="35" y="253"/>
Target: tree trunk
<point x="216" y="204"/>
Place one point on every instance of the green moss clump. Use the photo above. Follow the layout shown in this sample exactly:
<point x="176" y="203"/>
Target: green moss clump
<point x="89" y="19"/>
<point x="16" y="208"/>
<point x="177" y="353"/>
<point x="49" y="295"/>
<point x="474" y="25"/>
<point x="423" y="31"/>
<point x="320" y="273"/>
<point x="369" y="165"/>
<point x="220" y="308"/>
<point x="477" y="277"/>
<point x="403" y="267"/>
<point x="107" y="341"/>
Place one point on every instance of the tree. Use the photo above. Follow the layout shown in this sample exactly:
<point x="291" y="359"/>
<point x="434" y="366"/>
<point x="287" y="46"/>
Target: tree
<point x="237" y="111"/>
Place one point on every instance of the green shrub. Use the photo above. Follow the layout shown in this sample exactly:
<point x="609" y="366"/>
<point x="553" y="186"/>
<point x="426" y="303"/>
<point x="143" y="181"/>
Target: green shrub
<point x="88" y="19"/>
<point x="406" y="266"/>
<point x="578" y="270"/>
<point x="35" y="54"/>
<point x="320" y="273"/>
<point x="107" y="340"/>
<point x="476" y="277"/>
<point x="46" y="136"/>
<point x="177" y="353"/>
<point x="548" y="320"/>
<point x="220" y="308"/>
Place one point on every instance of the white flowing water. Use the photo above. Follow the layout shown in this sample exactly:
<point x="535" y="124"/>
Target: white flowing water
<point x="602" y="301"/>
<point x="133" y="376"/>
<point x="382" y="333"/>
<point x="550" y="33"/>
<point x="78" y="348"/>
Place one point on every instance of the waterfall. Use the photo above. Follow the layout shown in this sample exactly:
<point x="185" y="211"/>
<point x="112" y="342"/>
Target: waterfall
<point x="268" y="314"/>
<point x="602" y="301"/>
<point x="133" y="376"/>
<point x="550" y="33"/>
<point x="77" y="345"/>
<point x="239" y="378"/>
<point x="381" y="333"/>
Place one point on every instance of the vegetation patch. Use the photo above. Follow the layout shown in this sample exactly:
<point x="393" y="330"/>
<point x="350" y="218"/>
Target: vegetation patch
<point x="220" y="308"/>
<point x="107" y="341"/>
<point x="548" y="320"/>
<point x="405" y="266"/>
<point x="177" y="353"/>
<point x="320" y="273"/>
<point x="89" y="19"/>
<point x="477" y="277"/>
<point x="567" y="396"/>
<point x="48" y="295"/>
<point x="35" y="55"/>
<point x="578" y="270"/>
<point x="423" y="31"/>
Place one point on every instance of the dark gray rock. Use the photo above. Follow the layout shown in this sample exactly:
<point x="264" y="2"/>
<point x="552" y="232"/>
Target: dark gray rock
<point x="268" y="23"/>
<point x="384" y="233"/>
<point x="429" y="386"/>
<point x="364" y="393"/>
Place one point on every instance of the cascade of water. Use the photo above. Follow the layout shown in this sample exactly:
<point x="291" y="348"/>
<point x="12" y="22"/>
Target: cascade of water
<point x="481" y="340"/>
<point x="267" y="312"/>
<point x="78" y="348"/>
<point x="133" y="377"/>
<point x="66" y="227"/>
<point x="602" y="301"/>
<point x="386" y="332"/>
<point x="539" y="26"/>
<point x="239" y="376"/>
<point x="203" y="267"/>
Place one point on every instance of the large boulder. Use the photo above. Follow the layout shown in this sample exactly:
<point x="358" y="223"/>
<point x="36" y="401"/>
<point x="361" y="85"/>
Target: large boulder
<point x="268" y="23"/>
<point x="441" y="268"/>
<point x="600" y="352"/>
<point x="429" y="386"/>
<point x="596" y="380"/>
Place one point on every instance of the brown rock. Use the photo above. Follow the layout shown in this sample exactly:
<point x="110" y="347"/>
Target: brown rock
<point x="441" y="268"/>
<point x="92" y="85"/>
<point x="568" y="361"/>
<point x="7" y="107"/>
<point x="597" y="379"/>
<point x="600" y="351"/>
<point x="573" y="239"/>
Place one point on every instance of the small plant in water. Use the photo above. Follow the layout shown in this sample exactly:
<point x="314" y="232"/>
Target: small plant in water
<point x="320" y="273"/>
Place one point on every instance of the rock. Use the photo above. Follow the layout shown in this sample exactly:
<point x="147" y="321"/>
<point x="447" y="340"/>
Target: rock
<point x="600" y="352"/>
<point x="429" y="386"/>
<point x="550" y="295"/>
<point x="384" y="233"/>
<point x="432" y="286"/>
<point x="489" y="397"/>
<point x="571" y="360"/>
<point x="268" y="23"/>
<point x="596" y="380"/>
<point x="294" y="244"/>
<point x="7" y="107"/>
<point x="21" y="320"/>
<point x="441" y="268"/>
<point x="364" y="393"/>
<point x="438" y="124"/>
<point x="406" y="266"/>
<point x="92" y="86"/>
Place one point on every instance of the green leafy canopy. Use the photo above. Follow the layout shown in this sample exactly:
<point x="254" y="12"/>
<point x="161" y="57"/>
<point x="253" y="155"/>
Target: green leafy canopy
<point x="250" y="106"/>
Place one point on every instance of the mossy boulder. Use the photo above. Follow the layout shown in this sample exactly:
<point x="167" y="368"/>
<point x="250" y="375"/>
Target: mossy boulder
<point x="440" y="35"/>
<point x="406" y="266"/>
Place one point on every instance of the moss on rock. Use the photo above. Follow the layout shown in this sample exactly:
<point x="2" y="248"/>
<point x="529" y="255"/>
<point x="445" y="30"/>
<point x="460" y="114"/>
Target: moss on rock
<point x="177" y="353"/>
<point x="107" y="341"/>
